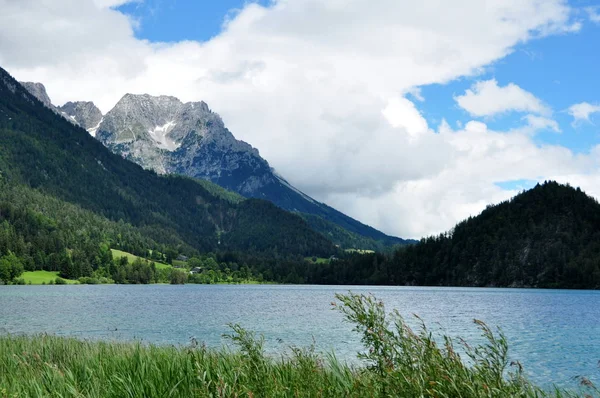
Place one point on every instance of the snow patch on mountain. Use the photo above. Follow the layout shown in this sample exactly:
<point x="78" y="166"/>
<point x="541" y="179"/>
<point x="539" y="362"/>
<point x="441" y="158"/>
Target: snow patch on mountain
<point x="93" y="130"/>
<point x="160" y="136"/>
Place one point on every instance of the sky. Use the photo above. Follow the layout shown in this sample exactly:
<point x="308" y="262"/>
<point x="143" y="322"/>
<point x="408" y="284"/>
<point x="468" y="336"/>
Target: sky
<point x="408" y="118"/>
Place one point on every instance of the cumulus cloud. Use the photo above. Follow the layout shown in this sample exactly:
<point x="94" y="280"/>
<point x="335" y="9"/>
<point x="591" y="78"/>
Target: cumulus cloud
<point x="402" y="113"/>
<point x="320" y="87"/>
<point x="465" y="184"/>
<point x="582" y="111"/>
<point x="486" y="98"/>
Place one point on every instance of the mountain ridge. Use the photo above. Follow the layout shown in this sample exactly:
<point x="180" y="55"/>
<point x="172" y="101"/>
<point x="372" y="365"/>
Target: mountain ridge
<point x="168" y="136"/>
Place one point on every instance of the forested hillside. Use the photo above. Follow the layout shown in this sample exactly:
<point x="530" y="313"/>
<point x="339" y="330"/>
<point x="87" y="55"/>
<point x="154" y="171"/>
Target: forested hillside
<point x="64" y="193"/>
<point x="65" y="200"/>
<point x="546" y="237"/>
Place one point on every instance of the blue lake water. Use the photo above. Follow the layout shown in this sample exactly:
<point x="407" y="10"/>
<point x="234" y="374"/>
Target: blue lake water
<point x="555" y="334"/>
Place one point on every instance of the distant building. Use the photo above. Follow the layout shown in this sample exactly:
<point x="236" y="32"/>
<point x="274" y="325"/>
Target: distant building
<point x="196" y="270"/>
<point x="181" y="257"/>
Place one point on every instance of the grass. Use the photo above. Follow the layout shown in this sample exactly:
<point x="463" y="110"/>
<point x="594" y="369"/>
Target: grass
<point x="117" y="254"/>
<point x="41" y="277"/>
<point x="320" y="260"/>
<point x="398" y="362"/>
<point x="180" y="264"/>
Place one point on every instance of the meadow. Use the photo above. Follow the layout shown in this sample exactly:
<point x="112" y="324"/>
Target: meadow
<point x="43" y="277"/>
<point x="117" y="254"/>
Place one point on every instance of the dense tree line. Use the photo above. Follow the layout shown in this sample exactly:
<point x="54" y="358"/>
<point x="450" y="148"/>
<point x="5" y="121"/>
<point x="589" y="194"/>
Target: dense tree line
<point x="546" y="237"/>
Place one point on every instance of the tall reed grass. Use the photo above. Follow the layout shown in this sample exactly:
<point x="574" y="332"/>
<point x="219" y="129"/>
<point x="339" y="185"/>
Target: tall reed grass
<point x="397" y="362"/>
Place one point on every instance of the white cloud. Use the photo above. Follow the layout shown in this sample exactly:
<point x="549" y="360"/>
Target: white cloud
<point x="416" y="93"/>
<point x="582" y="111"/>
<point x="466" y="183"/>
<point x="537" y="123"/>
<point x="486" y="98"/>
<point x="401" y="113"/>
<point x="114" y="3"/>
<point x="319" y="87"/>
<point x="593" y="14"/>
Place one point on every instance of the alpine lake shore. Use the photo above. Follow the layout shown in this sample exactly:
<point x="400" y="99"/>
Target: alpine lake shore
<point x="396" y="361"/>
<point x="179" y="272"/>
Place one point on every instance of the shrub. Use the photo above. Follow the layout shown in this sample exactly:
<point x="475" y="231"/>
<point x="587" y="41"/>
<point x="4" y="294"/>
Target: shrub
<point x="178" y="277"/>
<point x="59" y="281"/>
<point x="86" y="280"/>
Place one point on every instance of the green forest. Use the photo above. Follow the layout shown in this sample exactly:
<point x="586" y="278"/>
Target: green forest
<point x="547" y="237"/>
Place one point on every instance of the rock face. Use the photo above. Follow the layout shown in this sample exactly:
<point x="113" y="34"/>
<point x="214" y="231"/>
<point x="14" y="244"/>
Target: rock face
<point x="83" y="113"/>
<point x="168" y="136"/>
<point x="38" y="91"/>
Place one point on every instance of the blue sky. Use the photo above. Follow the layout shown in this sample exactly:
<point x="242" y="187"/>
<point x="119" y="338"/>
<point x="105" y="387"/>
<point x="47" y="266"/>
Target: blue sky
<point x="177" y="20"/>
<point x="407" y="117"/>
<point x="561" y="70"/>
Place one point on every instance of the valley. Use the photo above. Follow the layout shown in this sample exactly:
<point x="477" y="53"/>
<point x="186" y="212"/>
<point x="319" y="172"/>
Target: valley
<point x="299" y="198"/>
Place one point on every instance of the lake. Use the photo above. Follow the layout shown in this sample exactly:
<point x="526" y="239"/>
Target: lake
<point x="555" y="334"/>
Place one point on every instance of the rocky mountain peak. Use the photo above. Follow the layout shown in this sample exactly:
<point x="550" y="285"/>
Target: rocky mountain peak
<point x="83" y="113"/>
<point x="38" y="90"/>
<point x="147" y="108"/>
<point x="166" y="135"/>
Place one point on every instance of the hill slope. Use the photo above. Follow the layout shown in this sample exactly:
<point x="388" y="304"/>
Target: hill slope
<point x="43" y="152"/>
<point x="546" y="237"/>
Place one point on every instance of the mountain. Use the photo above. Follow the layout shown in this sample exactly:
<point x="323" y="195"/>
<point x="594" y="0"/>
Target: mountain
<point x="38" y="90"/>
<point x="170" y="137"/>
<point x="84" y="114"/>
<point x="546" y="237"/>
<point x="163" y="134"/>
<point x="59" y="171"/>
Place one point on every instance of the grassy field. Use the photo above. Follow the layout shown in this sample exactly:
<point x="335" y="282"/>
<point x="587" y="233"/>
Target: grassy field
<point x="320" y="260"/>
<point x="398" y="362"/>
<point x="180" y="264"/>
<point x="40" y="277"/>
<point x="118" y="254"/>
